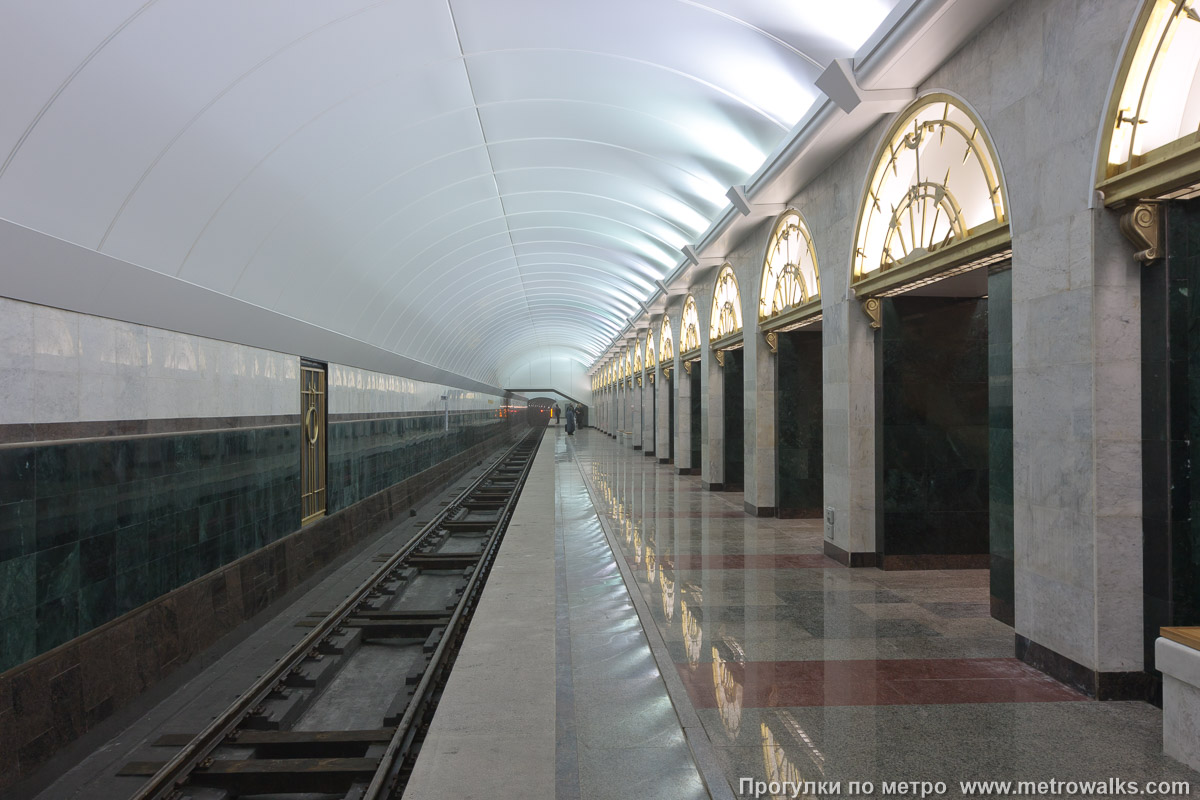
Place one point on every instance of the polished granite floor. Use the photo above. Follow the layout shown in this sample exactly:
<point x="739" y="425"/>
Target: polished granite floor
<point x="794" y="667"/>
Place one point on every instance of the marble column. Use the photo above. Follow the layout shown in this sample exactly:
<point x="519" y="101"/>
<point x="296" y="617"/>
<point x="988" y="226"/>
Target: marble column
<point x="622" y="411"/>
<point x="759" y="380"/>
<point x="662" y="434"/>
<point x="635" y="413"/>
<point x="649" y="411"/>
<point x="712" y="429"/>
<point x="683" y="421"/>
<point x="848" y="399"/>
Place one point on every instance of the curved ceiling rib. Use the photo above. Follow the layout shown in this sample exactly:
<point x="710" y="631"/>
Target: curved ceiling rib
<point x="474" y="184"/>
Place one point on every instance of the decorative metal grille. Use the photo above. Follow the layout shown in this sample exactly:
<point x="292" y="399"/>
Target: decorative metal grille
<point x="690" y="333"/>
<point x="727" y="306"/>
<point x="313" y="438"/>
<point x="790" y="274"/>
<point x="935" y="183"/>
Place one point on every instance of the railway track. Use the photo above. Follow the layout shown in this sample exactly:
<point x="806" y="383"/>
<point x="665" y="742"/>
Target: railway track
<point x="343" y="713"/>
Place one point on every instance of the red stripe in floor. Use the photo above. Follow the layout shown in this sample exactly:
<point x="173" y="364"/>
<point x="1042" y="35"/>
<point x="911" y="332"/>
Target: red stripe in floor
<point x="755" y="561"/>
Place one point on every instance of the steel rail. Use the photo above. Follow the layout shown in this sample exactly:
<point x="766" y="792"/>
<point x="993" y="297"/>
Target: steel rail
<point x="382" y="785"/>
<point x="392" y="760"/>
<point x="176" y="770"/>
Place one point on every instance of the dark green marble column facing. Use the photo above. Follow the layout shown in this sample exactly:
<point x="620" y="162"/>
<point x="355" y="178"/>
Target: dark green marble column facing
<point x="734" y="390"/>
<point x="1000" y="443"/>
<point x="1171" y="428"/>
<point x="799" y="468"/>
<point x="935" y="433"/>
<point x="696" y="405"/>
<point x="91" y="529"/>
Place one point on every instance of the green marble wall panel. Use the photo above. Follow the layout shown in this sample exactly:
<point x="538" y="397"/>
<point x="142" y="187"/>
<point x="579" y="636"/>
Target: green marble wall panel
<point x="935" y="426"/>
<point x="1000" y="445"/>
<point x="1171" y="428"/>
<point x="800" y="485"/>
<point x="367" y="456"/>
<point x="92" y="529"/>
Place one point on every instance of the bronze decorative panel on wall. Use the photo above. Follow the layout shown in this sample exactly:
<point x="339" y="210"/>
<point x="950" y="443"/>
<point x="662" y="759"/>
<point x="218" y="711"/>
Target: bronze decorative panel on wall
<point x="313" y="438"/>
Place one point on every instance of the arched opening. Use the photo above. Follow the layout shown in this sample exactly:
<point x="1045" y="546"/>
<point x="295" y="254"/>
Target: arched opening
<point x="1149" y="171"/>
<point x="931" y="265"/>
<point x="789" y="315"/>
<point x="725" y="338"/>
<point x="690" y="386"/>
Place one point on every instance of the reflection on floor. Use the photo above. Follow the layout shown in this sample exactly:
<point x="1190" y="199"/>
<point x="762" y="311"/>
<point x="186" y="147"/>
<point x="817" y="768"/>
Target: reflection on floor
<point x="800" y="668"/>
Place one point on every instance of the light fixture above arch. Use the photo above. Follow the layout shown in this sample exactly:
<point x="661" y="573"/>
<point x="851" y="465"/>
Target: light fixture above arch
<point x="689" y="328"/>
<point x="790" y="291"/>
<point x="1150" y="142"/>
<point x="666" y="346"/>
<point x="649" y="361"/>
<point x="934" y="203"/>
<point x="725" y="322"/>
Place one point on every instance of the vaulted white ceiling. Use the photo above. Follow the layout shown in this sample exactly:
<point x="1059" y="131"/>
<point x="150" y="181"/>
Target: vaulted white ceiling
<point x="465" y="182"/>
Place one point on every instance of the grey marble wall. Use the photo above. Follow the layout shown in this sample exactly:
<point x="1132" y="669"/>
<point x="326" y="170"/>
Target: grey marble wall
<point x="1038" y="76"/>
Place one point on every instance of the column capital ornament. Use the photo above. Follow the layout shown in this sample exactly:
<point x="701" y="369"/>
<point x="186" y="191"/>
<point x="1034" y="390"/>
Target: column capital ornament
<point x="1143" y="225"/>
<point x="772" y="341"/>
<point x="873" y="308"/>
<point x="687" y="366"/>
<point x="720" y="357"/>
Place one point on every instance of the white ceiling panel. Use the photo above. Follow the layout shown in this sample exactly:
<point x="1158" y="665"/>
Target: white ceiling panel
<point x="472" y="183"/>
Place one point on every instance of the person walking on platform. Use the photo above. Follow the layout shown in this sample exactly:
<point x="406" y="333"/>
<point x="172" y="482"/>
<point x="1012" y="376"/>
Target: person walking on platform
<point x="570" y="420"/>
<point x="555" y="413"/>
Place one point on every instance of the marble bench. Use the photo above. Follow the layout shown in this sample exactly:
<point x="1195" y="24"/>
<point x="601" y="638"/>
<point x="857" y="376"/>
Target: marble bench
<point x="1177" y="656"/>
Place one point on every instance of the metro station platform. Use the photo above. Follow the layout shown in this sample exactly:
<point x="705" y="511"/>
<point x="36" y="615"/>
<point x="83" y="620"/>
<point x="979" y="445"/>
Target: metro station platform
<point x="699" y="650"/>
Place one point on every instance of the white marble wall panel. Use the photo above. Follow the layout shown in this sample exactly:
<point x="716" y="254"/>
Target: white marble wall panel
<point x="61" y="366"/>
<point x="360" y="391"/>
<point x="16" y="361"/>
